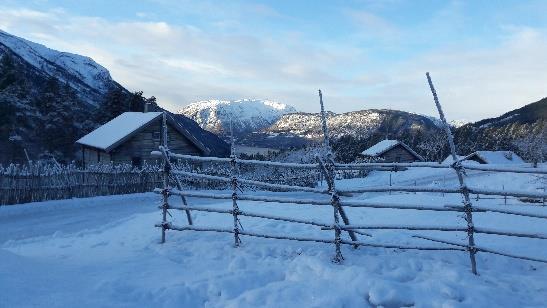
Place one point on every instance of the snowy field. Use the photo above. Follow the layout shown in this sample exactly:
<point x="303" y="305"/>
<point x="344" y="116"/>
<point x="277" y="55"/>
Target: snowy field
<point x="105" y="252"/>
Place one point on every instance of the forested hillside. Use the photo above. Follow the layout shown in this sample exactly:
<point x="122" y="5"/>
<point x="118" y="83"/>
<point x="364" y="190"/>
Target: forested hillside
<point x="43" y="116"/>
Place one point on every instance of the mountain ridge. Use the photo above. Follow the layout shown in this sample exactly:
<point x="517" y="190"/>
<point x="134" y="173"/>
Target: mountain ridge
<point x="243" y="115"/>
<point x="89" y="79"/>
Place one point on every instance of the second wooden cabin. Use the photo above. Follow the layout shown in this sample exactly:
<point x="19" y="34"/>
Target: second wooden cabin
<point x="391" y="151"/>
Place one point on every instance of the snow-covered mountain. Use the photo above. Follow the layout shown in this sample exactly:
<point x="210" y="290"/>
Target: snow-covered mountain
<point x="246" y="115"/>
<point x="297" y="129"/>
<point x="89" y="79"/>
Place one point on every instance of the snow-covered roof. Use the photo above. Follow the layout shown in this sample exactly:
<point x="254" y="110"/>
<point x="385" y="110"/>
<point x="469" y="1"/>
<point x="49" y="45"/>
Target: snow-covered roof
<point x="496" y="157"/>
<point x="380" y="148"/>
<point x="114" y="131"/>
<point x="386" y="145"/>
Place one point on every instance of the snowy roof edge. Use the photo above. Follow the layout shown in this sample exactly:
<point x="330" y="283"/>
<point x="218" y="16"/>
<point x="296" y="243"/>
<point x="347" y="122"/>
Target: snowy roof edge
<point x="391" y="147"/>
<point x="119" y="141"/>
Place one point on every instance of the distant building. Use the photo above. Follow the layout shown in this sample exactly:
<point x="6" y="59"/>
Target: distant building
<point x="495" y="157"/>
<point x="392" y="151"/>
<point x="131" y="136"/>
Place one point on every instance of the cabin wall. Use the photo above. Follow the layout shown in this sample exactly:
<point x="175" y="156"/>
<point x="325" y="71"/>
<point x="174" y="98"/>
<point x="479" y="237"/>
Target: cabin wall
<point x="399" y="154"/>
<point x="94" y="156"/>
<point x="138" y="147"/>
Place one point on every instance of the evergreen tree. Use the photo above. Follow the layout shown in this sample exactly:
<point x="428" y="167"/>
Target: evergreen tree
<point x="136" y="102"/>
<point x="115" y="103"/>
<point x="8" y="74"/>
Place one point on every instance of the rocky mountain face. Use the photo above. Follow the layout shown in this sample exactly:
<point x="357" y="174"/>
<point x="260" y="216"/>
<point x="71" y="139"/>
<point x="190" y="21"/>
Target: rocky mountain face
<point x="263" y="123"/>
<point x="304" y="128"/>
<point x="48" y="99"/>
<point x="246" y="115"/>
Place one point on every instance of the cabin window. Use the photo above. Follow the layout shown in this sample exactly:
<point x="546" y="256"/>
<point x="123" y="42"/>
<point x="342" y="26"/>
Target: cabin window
<point x="398" y="158"/>
<point x="136" y="162"/>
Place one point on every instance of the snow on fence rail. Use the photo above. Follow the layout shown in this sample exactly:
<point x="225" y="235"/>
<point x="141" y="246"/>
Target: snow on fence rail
<point x="327" y="167"/>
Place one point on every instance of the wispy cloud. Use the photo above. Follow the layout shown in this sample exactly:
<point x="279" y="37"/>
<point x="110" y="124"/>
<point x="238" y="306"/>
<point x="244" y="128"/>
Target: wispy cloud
<point x="187" y="61"/>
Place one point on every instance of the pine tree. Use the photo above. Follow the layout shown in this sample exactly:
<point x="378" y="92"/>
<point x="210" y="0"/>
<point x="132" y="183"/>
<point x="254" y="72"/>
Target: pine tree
<point x="114" y="104"/>
<point x="136" y="102"/>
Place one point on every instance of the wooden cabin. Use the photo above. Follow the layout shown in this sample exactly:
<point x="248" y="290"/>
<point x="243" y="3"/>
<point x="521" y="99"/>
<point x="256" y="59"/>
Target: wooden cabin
<point x="391" y="151"/>
<point x="130" y="137"/>
<point x="495" y="157"/>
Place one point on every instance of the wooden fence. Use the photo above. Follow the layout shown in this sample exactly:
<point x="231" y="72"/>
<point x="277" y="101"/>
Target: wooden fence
<point x="338" y="204"/>
<point x="39" y="182"/>
<point x="327" y="167"/>
<point x="36" y="182"/>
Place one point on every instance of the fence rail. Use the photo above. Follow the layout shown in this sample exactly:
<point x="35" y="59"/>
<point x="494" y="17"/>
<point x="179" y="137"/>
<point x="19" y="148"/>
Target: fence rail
<point x="521" y="168"/>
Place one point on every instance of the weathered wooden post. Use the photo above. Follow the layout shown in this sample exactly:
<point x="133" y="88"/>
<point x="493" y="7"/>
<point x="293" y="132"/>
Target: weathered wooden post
<point x="167" y="162"/>
<point x="460" y="172"/>
<point x="328" y="169"/>
<point x="390" y="182"/>
<point x="233" y="171"/>
<point x="165" y="190"/>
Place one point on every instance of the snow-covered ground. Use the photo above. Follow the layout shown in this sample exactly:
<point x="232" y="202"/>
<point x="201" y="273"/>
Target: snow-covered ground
<point x="105" y="252"/>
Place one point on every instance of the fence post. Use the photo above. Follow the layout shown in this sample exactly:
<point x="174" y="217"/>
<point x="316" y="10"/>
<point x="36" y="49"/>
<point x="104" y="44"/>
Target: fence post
<point x="166" y="170"/>
<point x="235" y="208"/>
<point x="390" y="182"/>
<point x="165" y="200"/>
<point x="460" y="172"/>
<point x="165" y="151"/>
<point x="329" y="174"/>
<point x="233" y="171"/>
<point x="543" y="202"/>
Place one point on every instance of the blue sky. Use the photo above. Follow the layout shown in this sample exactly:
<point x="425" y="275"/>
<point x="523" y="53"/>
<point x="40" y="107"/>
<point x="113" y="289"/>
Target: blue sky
<point x="486" y="57"/>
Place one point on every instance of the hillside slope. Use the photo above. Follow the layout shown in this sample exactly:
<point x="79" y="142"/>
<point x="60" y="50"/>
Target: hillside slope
<point x="525" y="125"/>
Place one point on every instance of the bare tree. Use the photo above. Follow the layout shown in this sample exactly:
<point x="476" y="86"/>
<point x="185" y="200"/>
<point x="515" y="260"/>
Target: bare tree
<point x="533" y="147"/>
<point x="433" y="146"/>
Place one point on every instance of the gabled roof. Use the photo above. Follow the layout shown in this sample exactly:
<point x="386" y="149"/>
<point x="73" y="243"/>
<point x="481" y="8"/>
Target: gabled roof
<point x="114" y="132"/>
<point x="380" y="148"/>
<point x="386" y="145"/>
<point x="211" y="144"/>
<point x="496" y="157"/>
